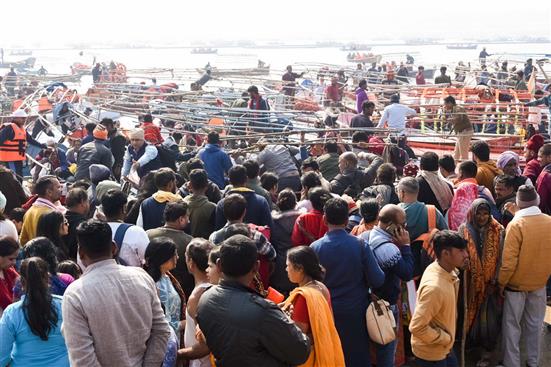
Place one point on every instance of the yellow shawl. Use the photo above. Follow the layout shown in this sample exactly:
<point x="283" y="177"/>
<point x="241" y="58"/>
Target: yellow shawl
<point x="327" y="349"/>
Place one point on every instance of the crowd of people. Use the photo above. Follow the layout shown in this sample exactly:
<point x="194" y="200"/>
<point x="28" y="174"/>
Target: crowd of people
<point x="271" y="257"/>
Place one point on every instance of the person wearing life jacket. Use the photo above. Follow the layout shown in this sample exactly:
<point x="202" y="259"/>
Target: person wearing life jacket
<point x="13" y="143"/>
<point x="140" y="156"/>
<point x="256" y="102"/>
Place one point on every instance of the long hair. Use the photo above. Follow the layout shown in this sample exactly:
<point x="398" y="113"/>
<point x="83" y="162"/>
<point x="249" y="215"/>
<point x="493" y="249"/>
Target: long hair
<point x="48" y="226"/>
<point x="305" y="258"/>
<point x="159" y="251"/>
<point x="44" y="249"/>
<point x="39" y="310"/>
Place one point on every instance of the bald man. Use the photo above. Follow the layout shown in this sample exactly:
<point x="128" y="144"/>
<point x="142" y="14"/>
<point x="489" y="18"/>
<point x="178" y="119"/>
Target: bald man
<point x="389" y="241"/>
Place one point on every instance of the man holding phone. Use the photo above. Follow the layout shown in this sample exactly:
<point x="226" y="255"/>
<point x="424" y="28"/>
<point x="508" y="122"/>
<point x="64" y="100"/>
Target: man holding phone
<point x="389" y="241"/>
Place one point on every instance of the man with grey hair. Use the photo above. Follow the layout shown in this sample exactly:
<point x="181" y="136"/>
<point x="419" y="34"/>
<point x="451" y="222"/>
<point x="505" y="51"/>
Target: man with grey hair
<point x="522" y="277"/>
<point x="416" y="212"/>
<point x="352" y="180"/>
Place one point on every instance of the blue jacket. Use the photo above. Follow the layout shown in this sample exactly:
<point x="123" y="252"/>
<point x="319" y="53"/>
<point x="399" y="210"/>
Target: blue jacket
<point x="20" y="347"/>
<point x="258" y="209"/>
<point x="217" y="163"/>
<point x="350" y="268"/>
<point x="152" y="213"/>
<point x="396" y="262"/>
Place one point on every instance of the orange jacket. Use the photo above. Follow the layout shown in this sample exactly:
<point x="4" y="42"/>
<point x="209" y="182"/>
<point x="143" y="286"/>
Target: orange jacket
<point x="14" y="150"/>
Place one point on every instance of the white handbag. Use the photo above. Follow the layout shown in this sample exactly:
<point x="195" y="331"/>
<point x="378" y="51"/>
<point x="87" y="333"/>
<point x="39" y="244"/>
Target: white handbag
<point x="381" y="324"/>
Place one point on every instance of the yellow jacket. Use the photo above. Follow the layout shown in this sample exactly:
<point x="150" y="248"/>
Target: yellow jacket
<point x="30" y="222"/>
<point x="432" y="326"/>
<point x="525" y="264"/>
<point x="486" y="173"/>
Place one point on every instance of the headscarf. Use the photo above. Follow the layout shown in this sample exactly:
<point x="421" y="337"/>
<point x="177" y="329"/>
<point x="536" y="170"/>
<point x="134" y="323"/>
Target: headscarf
<point x="505" y="158"/>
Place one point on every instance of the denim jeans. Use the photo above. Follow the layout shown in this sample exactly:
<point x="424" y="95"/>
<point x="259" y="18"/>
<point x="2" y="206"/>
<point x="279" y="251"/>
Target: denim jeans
<point x="387" y="353"/>
<point x="450" y="361"/>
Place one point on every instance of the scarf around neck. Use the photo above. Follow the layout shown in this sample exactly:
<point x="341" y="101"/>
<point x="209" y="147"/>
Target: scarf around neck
<point x="440" y="189"/>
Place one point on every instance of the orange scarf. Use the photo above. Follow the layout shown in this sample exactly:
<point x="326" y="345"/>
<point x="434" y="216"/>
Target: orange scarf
<point x="327" y="349"/>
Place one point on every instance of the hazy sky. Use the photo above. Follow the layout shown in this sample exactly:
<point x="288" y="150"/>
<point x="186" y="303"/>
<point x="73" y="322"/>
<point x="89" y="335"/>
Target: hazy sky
<point x="63" y="22"/>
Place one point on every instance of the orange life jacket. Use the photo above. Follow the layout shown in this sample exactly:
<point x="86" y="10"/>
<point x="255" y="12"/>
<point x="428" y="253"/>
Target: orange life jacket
<point x="14" y="150"/>
<point x="44" y="105"/>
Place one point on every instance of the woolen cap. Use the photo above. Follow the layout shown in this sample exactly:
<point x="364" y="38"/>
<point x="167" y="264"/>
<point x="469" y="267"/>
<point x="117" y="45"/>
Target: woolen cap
<point x="527" y="197"/>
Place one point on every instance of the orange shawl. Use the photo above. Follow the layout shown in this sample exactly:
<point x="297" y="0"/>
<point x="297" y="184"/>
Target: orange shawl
<point x="481" y="270"/>
<point x="327" y="349"/>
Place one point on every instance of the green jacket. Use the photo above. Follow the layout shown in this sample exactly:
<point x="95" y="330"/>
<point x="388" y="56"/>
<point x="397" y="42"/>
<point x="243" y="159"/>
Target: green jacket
<point x="201" y="215"/>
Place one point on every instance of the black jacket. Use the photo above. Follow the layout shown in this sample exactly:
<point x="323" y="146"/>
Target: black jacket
<point x="243" y="329"/>
<point x="355" y="180"/>
<point x="426" y="195"/>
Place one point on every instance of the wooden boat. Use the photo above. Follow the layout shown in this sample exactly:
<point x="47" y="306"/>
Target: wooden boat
<point x="364" y="58"/>
<point x="355" y="47"/>
<point x="21" y="52"/>
<point x="462" y="46"/>
<point x="215" y="72"/>
<point x="202" y="50"/>
<point x="81" y="69"/>
<point x="27" y="63"/>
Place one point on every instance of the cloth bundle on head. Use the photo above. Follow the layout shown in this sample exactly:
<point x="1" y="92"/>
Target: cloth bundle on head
<point x="100" y="132"/>
<point x="535" y="143"/>
<point x="19" y="113"/>
<point x="505" y="158"/>
<point x="3" y="202"/>
<point x="137" y="134"/>
<point x="527" y="197"/>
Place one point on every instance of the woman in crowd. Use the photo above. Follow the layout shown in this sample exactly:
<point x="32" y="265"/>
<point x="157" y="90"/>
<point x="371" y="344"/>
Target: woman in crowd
<point x="369" y="210"/>
<point x="197" y="254"/>
<point x="310" y="226"/>
<point x="7" y="227"/>
<point x="70" y="267"/>
<point x="9" y="250"/>
<point x="304" y="269"/>
<point x="484" y="236"/>
<point x="54" y="227"/>
<point x="45" y="249"/>
<point x="508" y="162"/>
<point x="30" y="329"/>
<point x="284" y="221"/>
<point x="160" y="258"/>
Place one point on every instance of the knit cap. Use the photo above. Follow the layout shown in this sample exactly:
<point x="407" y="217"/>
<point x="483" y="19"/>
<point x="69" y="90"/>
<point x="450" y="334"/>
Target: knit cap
<point x="100" y="132"/>
<point x="527" y="197"/>
<point x="535" y="143"/>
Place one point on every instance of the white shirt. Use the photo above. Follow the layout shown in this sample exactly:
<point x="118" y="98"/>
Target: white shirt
<point x="395" y="116"/>
<point x="134" y="243"/>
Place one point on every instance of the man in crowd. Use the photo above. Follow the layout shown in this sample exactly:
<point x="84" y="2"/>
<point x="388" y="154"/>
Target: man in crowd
<point x="351" y="179"/>
<point x="48" y="190"/>
<point x="443" y="78"/>
<point x="201" y="210"/>
<point x="176" y="219"/>
<point x="433" y="324"/>
<point x="131" y="240"/>
<point x="152" y="208"/>
<point x="395" y="114"/>
<point x="278" y="158"/>
<point x="459" y="122"/>
<point x="258" y="209"/>
<point x="446" y="168"/>
<point x="289" y="84"/>
<point x="13" y="143"/>
<point x="486" y="168"/>
<point x="393" y="253"/>
<point x="216" y="161"/>
<point x="260" y="120"/>
<point x="117" y="144"/>
<point x="329" y="161"/>
<point x="504" y="187"/>
<point x="78" y="208"/>
<point x="112" y="316"/>
<point x="235" y="318"/>
<point x="140" y="156"/>
<point x="94" y="152"/>
<point x="433" y="189"/>
<point x="531" y="149"/>
<point x="522" y="277"/>
<point x="253" y="181"/>
<point x="363" y="118"/>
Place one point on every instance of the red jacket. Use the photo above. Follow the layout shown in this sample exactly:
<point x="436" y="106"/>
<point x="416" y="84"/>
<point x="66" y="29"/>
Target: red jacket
<point x="543" y="186"/>
<point x="308" y="228"/>
<point x="532" y="170"/>
<point x="152" y="134"/>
